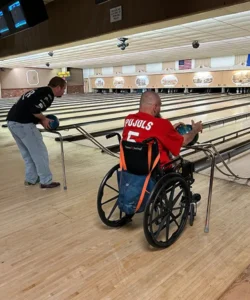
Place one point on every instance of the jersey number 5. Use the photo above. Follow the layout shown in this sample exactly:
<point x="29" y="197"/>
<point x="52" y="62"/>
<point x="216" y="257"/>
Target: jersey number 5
<point x="131" y="134"/>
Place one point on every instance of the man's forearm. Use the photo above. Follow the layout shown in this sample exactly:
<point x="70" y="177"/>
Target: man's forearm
<point x="40" y="116"/>
<point x="189" y="137"/>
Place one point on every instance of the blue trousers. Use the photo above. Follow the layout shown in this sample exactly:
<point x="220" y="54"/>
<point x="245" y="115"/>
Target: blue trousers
<point x="33" y="150"/>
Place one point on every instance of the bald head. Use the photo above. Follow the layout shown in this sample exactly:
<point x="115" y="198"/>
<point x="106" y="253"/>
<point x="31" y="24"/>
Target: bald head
<point x="149" y="98"/>
<point x="150" y="103"/>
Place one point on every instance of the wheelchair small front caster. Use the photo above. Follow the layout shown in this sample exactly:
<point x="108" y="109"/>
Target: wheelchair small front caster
<point x="192" y="213"/>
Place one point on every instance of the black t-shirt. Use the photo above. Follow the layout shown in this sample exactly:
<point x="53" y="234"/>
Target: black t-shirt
<point x="30" y="103"/>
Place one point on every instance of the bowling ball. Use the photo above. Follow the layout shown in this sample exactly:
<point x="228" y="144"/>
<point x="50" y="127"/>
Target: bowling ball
<point x="54" y="124"/>
<point x="186" y="128"/>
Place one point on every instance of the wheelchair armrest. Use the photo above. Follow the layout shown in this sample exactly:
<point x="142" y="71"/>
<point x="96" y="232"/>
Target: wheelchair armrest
<point x="110" y="135"/>
<point x="173" y="161"/>
<point x="177" y="158"/>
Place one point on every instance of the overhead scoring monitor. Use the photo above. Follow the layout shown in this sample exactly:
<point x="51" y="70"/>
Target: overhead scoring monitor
<point x="3" y="25"/>
<point x="17" y="14"/>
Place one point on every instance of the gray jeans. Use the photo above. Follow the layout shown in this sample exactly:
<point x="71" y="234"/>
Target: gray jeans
<point x="33" y="150"/>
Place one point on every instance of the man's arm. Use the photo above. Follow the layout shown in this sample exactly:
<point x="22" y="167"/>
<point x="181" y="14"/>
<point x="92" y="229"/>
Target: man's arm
<point x="196" y="128"/>
<point x="43" y="120"/>
<point x="37" y="104"/>
<point x="40" y="116"/>
<point x="173" y="141"/>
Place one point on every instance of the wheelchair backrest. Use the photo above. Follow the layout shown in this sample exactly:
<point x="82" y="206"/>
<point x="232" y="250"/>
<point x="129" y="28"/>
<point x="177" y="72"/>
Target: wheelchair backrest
<point x="138" y="157"/>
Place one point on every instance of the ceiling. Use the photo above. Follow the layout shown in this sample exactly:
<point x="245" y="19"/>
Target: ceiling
<point x="226" y="33"/>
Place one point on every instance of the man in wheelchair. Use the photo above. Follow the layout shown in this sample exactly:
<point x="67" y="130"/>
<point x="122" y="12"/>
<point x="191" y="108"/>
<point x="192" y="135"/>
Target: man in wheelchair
<point x="148" y="123"/>
<point x="147" y="178"/>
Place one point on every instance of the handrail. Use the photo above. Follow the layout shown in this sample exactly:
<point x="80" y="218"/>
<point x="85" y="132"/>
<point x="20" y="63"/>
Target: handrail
<point x="93" y="140"/>
<point x="212" y="154"/>
<point x="203" y="147"/>
<point x="223" y="137"/>
<point x="231" y="173"/>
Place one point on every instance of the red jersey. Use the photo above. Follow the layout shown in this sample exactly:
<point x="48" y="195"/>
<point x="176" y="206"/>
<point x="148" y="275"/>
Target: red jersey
<point x="140" y="126"/>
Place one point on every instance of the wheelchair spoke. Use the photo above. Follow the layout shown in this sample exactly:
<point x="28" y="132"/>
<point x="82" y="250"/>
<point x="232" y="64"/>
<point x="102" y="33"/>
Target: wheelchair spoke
<point x="113" y="209"/>
<point x="111" y="199"/>
<point x="177" y="197"/>
<point x="111" y="188"/>
<point x="161" y="226"/>
<point x="179" y="214"/>
<point x="155" y="220"/>
<point x="174" y="219"/>
<point x="170" y="188"/>
<point x="172" y="193"/>
<point x="177" y="208"/>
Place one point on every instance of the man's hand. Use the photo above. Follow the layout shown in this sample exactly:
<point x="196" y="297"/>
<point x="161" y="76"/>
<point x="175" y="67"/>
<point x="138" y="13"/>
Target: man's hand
<point x="45" y="123"/>
<point x="178" y="124"/>
<point x="197" y="127"/>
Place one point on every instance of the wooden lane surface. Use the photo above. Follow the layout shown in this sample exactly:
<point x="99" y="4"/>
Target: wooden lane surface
<point x="107" y="108"/>
<point x="171" y="114"/>
<point x="59" y="106"/>
<point x="85" y="112"/>
<point x="206" y="117"/>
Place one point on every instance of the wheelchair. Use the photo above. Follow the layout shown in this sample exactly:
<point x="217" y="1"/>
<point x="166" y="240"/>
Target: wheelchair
<point x="169" y="204"/>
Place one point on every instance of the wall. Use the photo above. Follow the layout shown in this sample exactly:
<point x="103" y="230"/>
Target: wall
<point x="190" y="80"/>
<point x="14" y="82"/>
<point x="74" y="20"/>
<point x="212" y="63"/>
<point x="75" y="84"/>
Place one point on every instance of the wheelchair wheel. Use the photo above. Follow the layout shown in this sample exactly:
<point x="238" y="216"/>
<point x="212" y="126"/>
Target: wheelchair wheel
<point x="166" y="212"/>
<point x="107" y="197"/>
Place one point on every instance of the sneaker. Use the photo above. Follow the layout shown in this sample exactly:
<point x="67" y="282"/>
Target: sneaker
<point x="27" y="183"/>
<point x="50" y="185"/>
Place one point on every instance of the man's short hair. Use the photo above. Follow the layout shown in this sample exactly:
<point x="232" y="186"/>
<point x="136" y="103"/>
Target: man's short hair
<point x="57" y="81"/>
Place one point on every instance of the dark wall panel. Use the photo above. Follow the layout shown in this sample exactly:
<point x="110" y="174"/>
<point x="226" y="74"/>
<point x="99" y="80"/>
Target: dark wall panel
<point x="72" y="20"/>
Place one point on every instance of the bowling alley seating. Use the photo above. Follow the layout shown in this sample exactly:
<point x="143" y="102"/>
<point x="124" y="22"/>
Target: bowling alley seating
<point x="165" y="200"/>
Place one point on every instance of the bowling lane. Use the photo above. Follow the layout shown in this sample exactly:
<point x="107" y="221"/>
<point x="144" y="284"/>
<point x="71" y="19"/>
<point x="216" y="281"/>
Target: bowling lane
<point x="84" y="110"/>
<point x="68" y="104"/>
<point x="222" y="130"/>
<point x="57" y="107"/>
<point x="167" y="114"/>
<point x="207" y="135"/>
<point x="123" y="99"/>
<point x="133" y="108"/>
<point x="206" y="117"/>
